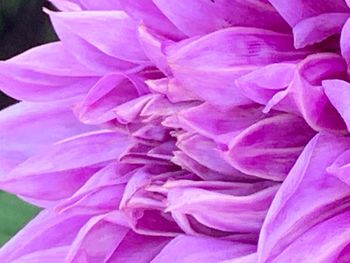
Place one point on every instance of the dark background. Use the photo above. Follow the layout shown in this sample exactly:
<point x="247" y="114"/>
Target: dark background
<point x="22" y="25"/>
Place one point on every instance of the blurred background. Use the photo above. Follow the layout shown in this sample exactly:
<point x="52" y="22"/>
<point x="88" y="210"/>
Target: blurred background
<point x="22" y="25"/>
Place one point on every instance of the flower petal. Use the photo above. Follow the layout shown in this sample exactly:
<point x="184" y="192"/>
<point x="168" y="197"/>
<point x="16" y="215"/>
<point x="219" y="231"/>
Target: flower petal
<point x="338" y="92"/>
<point x="258" y="151"/>
<point x="117" y="50"/>
<point x="52" y="255"/>
<point x="96" y="240"/>
<point x="231" y="213"/>
<point x="307" y="18"/>
<point x="295" y="209"/>
<point x="45" y="73"/>
<point x="187" y="249"/>
<point x="147" y="12"/>
<point x="22" y="126"/>
<point x="303" y="95"/>
<point x="109" y="92"/>
<point x="59" y="171"/>
<point x="138" y="248"/>
<point x="48" y="230"/>
<point x="326" y="242"/>
<point x="209" y="65"/>
<point x="202" y="17"/>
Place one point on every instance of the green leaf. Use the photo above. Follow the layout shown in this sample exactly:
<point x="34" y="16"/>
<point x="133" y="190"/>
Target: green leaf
<point x="14" y="214"/>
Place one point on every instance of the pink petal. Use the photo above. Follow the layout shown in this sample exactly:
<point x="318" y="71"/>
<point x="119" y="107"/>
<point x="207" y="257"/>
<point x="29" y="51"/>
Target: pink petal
<point x="21" y="127"/>
<point x="302" y="93"/>
<point x="67" y="5"/>
<point x="295" y="209"/>
<point x="220" y="125"/>
<point x="270" y="155"/>
<point x="47" y="231"/>
<point x="340" y="167"/>
<point x="231" y="213"/>
<point x="206" y="153"/>
<point x="306" y="18"/>
<point x="208" y="66"/>
<point x="326" y="242"/>
<point x="109" y="92"/>
<point x="152" y="46"/>
<point x="101" y="4"/>
<point x="138" y="248"/>
<point x="187" y="249"/>
<point x="344" y="42"/>
<point x="45" y="73"/>
<point x="101" y="193"/>
<point x="147" y="12"/>
<point x="59" y="171"/>
<point x="251" y="258"/>
<point x="52" y="255"/>
<point x="262" y="84"/>
<point x="316" y="29"/>
<point x="202" y="17"/>
<point x="338" y="92"/>
<point x="117" y="50"/>
<point x="97" y="240"/>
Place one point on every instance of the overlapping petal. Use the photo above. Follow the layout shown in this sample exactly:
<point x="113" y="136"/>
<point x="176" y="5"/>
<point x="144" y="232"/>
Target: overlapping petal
<point x="312" y="22"/>
<point x="22" y="126"/>
<point x="182" y="131"/>
<point x="45" y="73"/>
<point x="64" y="166"/>
<point x="208" y="66"/>
<point x="295" y="211"/>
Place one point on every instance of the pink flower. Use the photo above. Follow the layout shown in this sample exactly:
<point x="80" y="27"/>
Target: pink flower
<point x="188" y="131"/>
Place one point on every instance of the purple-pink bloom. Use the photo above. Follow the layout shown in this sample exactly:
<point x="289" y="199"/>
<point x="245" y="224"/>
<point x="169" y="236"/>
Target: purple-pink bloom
<point x="188" y="131"/>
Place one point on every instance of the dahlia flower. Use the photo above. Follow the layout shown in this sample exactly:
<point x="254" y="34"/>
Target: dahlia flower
<point x="182" y="131"/>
